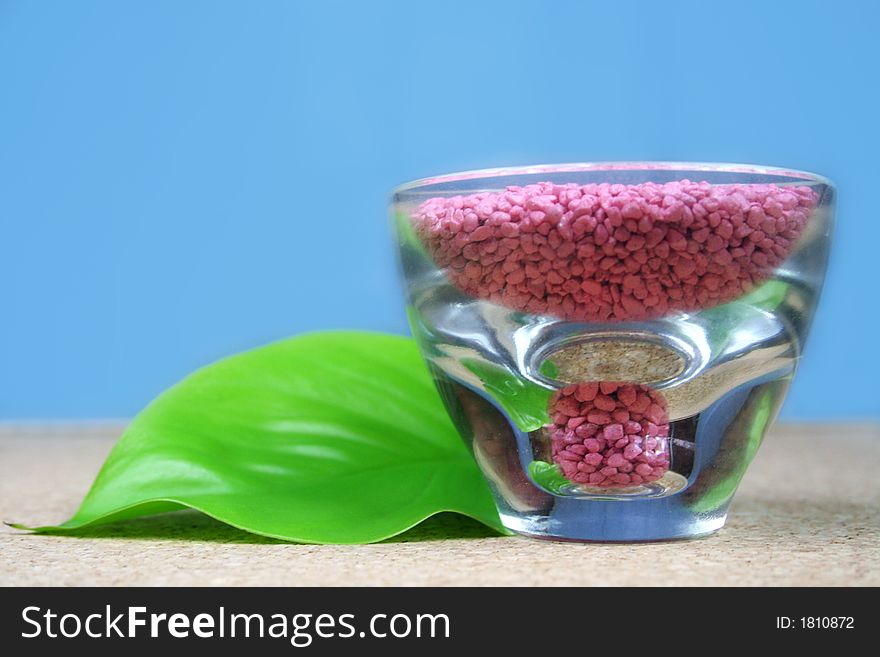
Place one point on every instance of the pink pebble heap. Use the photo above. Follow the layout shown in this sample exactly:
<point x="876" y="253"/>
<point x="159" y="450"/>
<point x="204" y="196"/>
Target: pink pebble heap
<point x="609" y="434"/>
<point x="603" y="252"/>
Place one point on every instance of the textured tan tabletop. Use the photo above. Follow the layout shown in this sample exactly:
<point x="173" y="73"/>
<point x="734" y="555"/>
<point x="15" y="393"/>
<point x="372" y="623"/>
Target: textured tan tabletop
<point x="808" y="513"/>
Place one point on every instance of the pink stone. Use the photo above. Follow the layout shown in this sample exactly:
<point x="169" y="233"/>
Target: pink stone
<point x="590" y="255"/>
<point x="593" y="445"/>
<point x="604" y="403"/>
<point x="613" y="432"/>
<point x="656" y="414"/>
<point x="598" y="417"/>
<point x="627" y="395"/>
<point x="640" y="405"/>
<point x="586" y="391"/>
<point x="586" y="430"/>
<point x="632" y="428"/>
<point x="589" y="437"/>
<point x="481" y="233"/>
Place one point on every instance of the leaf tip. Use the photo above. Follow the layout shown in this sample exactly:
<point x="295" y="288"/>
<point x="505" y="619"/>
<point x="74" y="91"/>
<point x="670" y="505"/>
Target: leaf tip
<point x="16" y="525"/>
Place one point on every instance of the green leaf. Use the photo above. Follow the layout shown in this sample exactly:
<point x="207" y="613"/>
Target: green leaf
<point x="549" y="369"/>
<point x="525" y="402"/>
<point x="549" y="477"/>
<point x="728" y="318"/>
<point x="406" y="234"/>
<point x="326" y="438"/>
<point x="716" y="485"/>
<point x="768" y="296"/>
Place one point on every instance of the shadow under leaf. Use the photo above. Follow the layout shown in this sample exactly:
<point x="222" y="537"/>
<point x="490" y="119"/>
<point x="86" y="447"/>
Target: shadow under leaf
<point x="189" y="525"/>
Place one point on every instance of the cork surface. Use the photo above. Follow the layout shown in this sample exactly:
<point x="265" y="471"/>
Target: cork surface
<point x="808" y="513"/>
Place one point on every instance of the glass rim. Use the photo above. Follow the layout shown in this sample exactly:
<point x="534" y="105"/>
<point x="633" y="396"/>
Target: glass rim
<point x="636" y="165"/>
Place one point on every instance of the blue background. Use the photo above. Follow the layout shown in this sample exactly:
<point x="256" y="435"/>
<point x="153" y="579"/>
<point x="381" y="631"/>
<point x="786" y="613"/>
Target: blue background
<point x="182" y="180"/>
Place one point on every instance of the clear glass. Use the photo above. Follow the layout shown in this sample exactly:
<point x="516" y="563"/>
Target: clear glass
<point x="613" y="340"/>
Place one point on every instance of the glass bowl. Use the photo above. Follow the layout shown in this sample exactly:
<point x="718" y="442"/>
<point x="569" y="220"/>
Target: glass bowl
<point x="612" y="340"/>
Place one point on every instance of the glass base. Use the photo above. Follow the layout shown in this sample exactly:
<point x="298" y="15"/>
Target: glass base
<point x="607" y="521"/>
